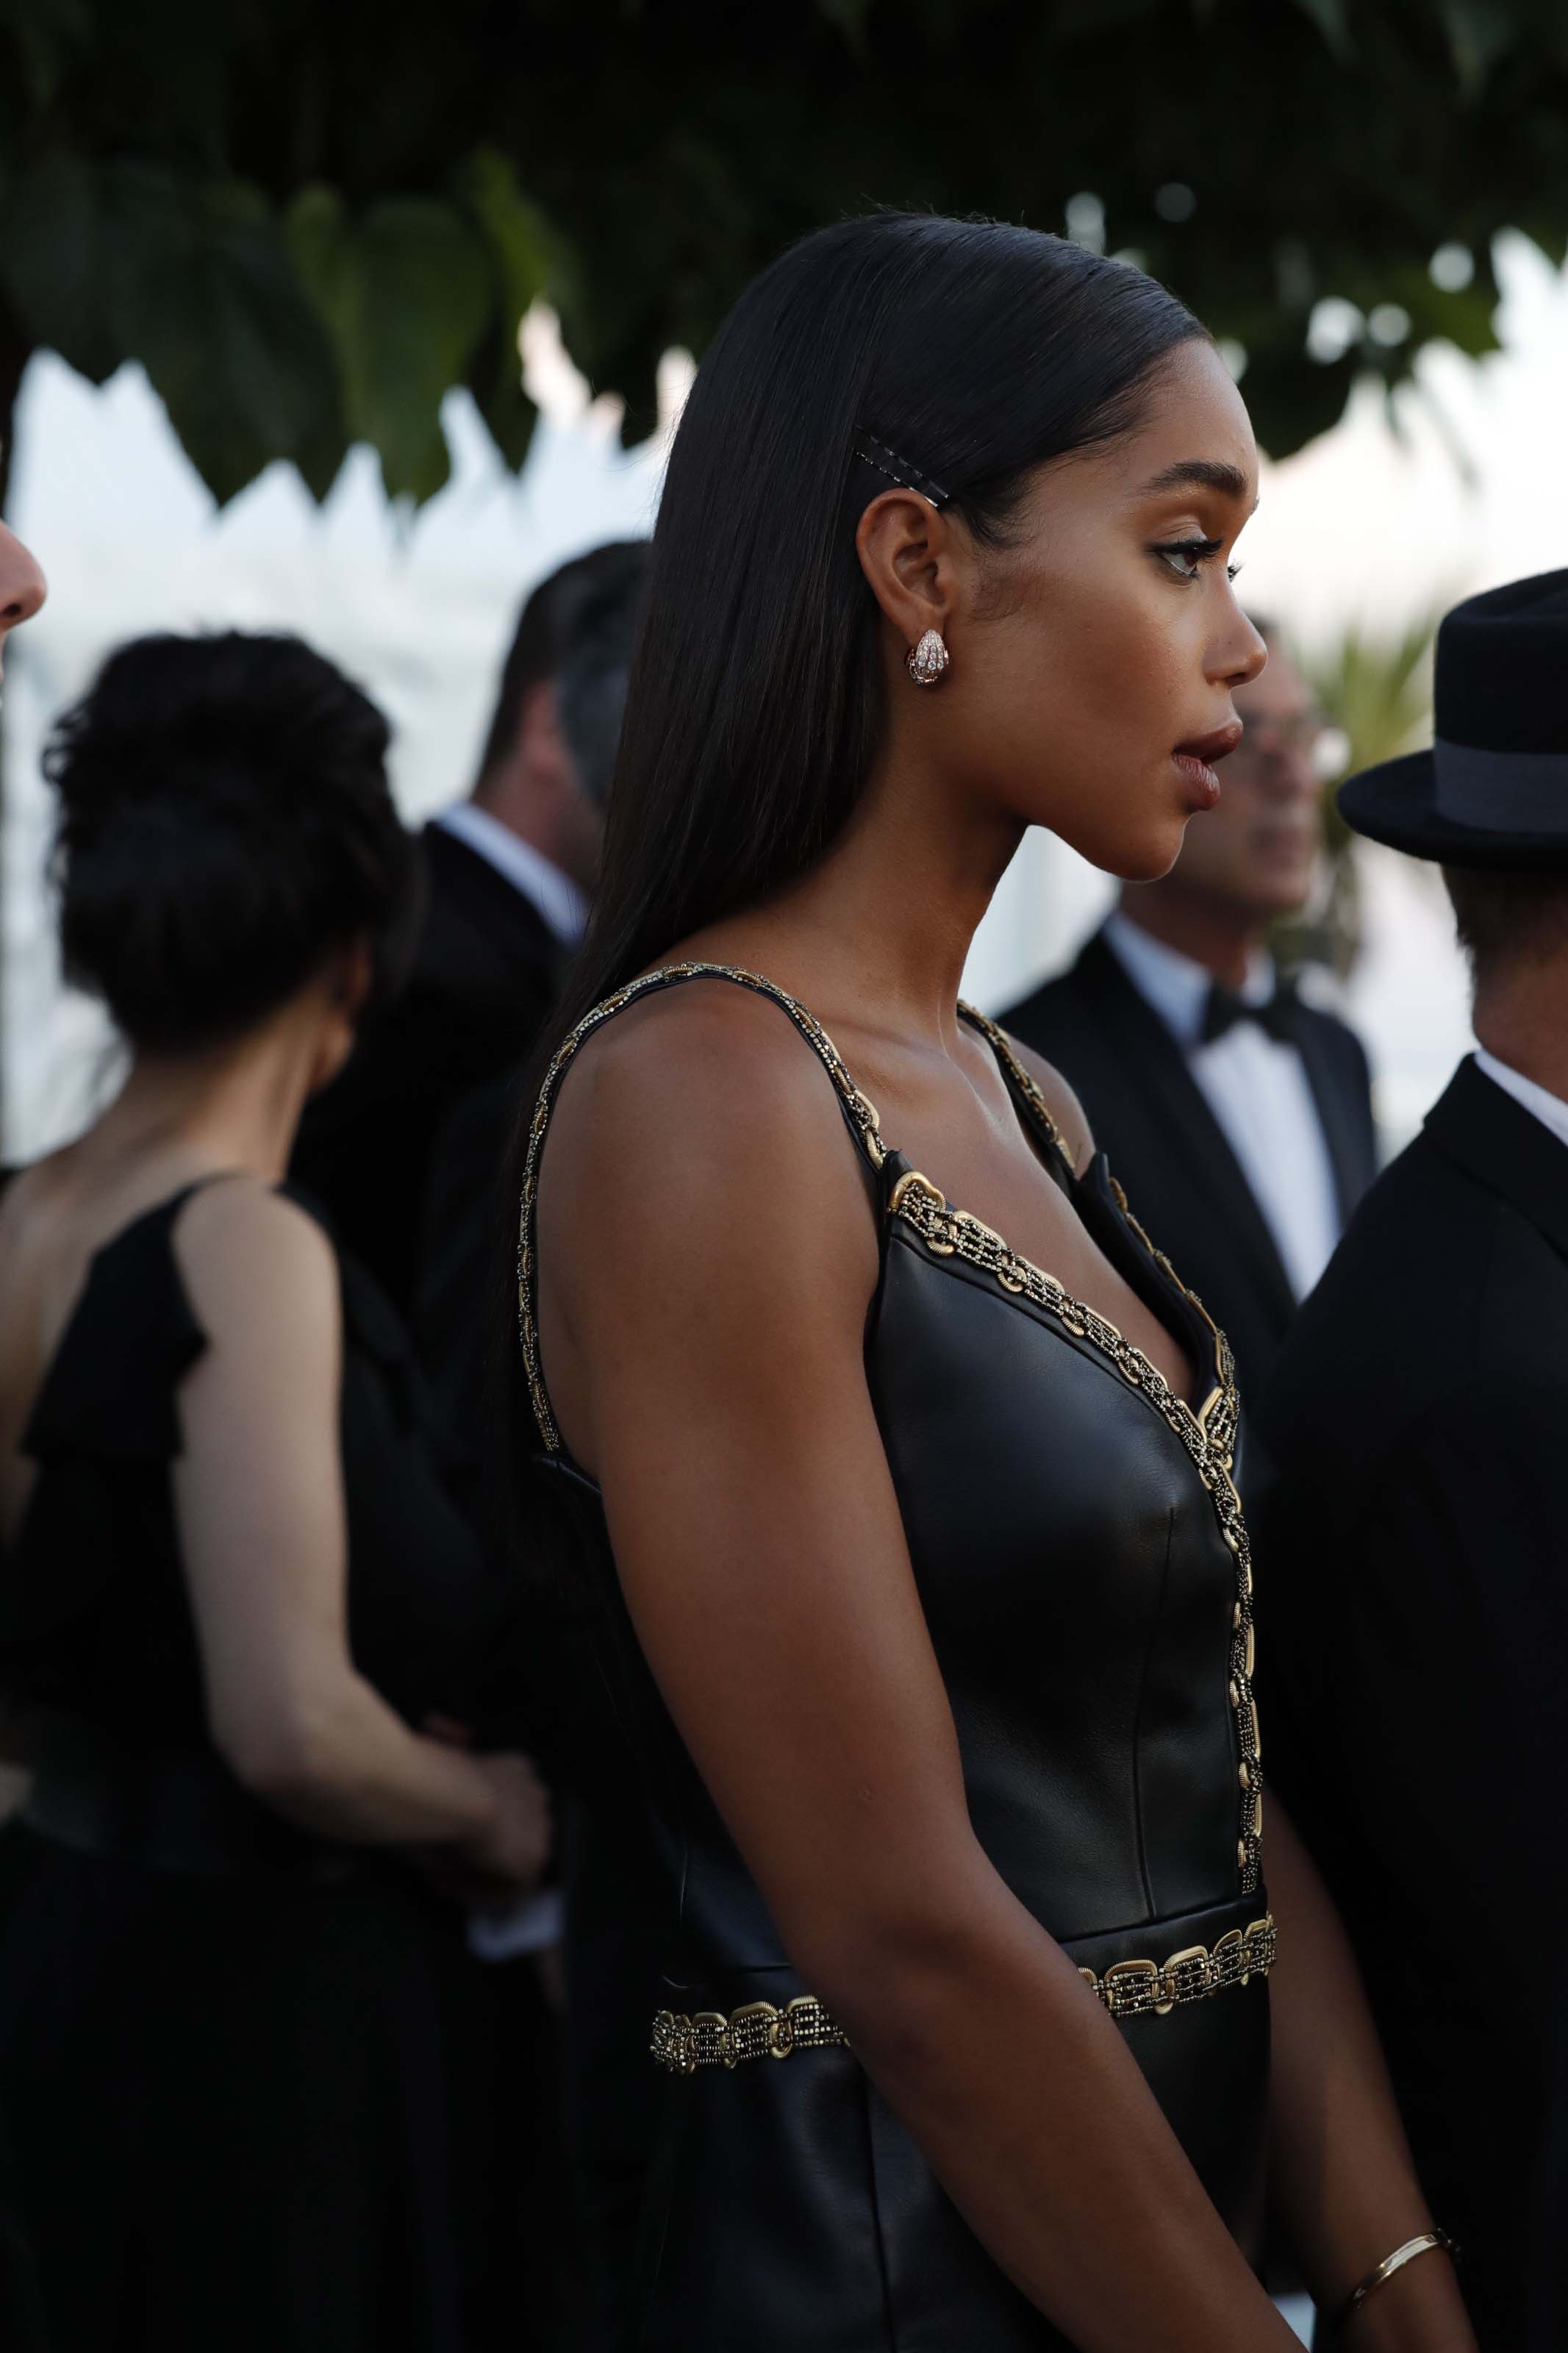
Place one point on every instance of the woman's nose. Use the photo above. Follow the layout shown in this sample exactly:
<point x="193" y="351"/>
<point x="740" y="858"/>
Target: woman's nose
<point x="22" y="585"/>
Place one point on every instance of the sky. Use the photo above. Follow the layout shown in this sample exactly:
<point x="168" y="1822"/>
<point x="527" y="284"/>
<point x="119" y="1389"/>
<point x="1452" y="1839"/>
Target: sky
<point x="1376" y="522"/>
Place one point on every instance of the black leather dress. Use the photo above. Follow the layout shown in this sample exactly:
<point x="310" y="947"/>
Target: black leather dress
<point x="1081" y="1556"/>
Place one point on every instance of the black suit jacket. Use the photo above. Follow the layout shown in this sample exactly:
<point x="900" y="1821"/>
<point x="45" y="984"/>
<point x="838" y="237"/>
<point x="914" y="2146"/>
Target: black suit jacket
<point x="465" y="1297"/>
<point x="466" y="1324"/>
<point x="482" y="983"/>
<point x="1412" y="1548"/>
<point x="1169" y="1151"/>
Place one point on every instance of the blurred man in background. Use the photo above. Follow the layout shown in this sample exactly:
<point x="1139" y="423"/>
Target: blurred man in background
<point x="508" y="871"/>
<point x="1237" y="1118"/>
<point x="1415" y="1533"/>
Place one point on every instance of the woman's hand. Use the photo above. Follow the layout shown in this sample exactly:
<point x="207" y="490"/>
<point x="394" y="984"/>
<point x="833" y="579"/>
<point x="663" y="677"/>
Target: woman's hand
<point x="509" y="1853"/>
<point x="1341" y="2172"/>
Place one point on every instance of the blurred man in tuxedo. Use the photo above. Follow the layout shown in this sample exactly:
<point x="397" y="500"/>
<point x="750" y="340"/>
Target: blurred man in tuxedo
<point x="508" y="874"/>
<point x="1237" y="1117"/>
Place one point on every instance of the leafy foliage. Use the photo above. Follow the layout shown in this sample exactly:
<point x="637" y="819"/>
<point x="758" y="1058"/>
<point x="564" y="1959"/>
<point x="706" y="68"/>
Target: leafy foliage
<point x="1374" y="687"/>
<point x="309" y="223"/>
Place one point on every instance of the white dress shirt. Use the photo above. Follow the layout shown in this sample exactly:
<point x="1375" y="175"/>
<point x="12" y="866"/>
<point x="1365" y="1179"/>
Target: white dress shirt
<point x="541" y="882"/>
<point x="1258" y="1089"/>
<point x="1549" y="1109"/>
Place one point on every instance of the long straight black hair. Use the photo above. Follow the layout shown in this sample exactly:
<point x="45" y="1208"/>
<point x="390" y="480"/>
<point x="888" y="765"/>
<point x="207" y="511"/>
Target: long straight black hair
<point x="976" y="352"/>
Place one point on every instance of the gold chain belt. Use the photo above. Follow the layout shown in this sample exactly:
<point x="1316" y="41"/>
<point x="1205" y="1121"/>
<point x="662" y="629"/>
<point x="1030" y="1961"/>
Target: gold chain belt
<point x="758" y="2031"/>
<point x="1127" y="1989"/>
<point x="1134" y="1989"/>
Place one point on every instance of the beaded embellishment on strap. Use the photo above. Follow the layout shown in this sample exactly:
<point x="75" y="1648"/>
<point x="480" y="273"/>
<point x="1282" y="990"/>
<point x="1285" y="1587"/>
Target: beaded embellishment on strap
<point x="1023" y="1082"/>
<point x="858" y="1109"/>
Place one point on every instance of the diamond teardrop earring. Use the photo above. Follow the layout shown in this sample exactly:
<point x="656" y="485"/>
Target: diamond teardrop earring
<point x="927" y="662"/>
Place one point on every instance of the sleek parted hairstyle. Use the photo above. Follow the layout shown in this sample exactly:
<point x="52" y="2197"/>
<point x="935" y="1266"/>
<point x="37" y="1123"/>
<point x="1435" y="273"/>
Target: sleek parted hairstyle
<point x="223" y="825"/>
<point x="974" y="350"/>
<point x="971" y="352"/>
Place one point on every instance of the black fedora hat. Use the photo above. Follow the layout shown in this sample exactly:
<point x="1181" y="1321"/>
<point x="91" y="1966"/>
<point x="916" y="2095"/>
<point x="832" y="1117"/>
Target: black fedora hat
<point x="1493" y="789"/>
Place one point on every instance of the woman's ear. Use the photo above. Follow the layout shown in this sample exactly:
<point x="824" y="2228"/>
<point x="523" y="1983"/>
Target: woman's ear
<point x="356" y="977"/>
<point x="907" y="550"/>
<point x="350" y="978"/>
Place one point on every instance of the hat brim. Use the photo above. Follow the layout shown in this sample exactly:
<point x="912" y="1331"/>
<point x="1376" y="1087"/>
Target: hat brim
<point x="1395" y="803"/>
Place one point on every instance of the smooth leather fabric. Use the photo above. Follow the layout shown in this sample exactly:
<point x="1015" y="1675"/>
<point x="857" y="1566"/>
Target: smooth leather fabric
<point x="1079" y="1595"/>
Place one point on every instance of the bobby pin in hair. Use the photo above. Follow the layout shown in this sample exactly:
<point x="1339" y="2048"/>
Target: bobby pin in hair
<point x="898" y="469"/>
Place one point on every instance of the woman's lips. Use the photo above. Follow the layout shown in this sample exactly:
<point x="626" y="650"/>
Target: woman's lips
<point x="1203" y="784"/>
<point x="1196" y="759"/>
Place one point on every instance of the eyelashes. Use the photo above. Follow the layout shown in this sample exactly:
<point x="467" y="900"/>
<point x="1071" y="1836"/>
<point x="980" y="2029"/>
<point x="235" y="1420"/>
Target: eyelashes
<point x="1186" y="557"/>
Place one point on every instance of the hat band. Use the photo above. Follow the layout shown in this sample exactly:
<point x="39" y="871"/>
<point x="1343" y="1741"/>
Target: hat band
<point x="1500" y="792"/>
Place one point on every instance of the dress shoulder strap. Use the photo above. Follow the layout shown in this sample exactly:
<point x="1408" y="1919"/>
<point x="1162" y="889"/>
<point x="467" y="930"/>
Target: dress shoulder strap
<point x="110" y="1387"/>
<point x="1027" y="1090"/>
<point x="859" y="1115"/>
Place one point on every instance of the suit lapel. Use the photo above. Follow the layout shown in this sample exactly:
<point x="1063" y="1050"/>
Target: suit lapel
<point x="504" y="916"/>
<point x="1142" y="1045"/>
<point x="1504" y="1147"/>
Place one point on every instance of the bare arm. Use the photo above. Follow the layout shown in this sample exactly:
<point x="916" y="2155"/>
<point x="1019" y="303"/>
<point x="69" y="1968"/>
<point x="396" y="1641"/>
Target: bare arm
<point x="259" y="1494"/>
<point x="704" y="1350"/>
<point x="1340" y="2167"/>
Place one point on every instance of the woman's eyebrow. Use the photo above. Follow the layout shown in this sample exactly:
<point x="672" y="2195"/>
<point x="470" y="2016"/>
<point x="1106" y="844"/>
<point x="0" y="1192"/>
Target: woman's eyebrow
<point x="1202" y="474"/>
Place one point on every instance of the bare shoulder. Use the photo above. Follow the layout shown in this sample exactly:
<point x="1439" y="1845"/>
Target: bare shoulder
<point x="701" y="1109"/>
<point x="1060" y="1101"/>
<point x="705" y="1071"/>
<point x="256" y="1263"/>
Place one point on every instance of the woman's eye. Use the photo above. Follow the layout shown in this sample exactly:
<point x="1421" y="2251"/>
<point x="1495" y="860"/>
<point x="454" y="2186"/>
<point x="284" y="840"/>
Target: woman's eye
<point x="1186" y="557"/>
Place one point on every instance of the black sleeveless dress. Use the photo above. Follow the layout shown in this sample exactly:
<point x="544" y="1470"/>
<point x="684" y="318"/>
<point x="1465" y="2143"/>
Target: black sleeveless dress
<point x="1080" y="1555"/>
<point x="235" y="2061"/>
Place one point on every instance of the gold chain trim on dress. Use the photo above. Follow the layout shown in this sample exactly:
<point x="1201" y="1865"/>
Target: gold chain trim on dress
<point x="683" y="2044"/>
<point x="1209" y="1436"/>
<point x="1221" y="1414"/>
<point x="1138" y="1988"/>
<point x="680" y="2045"/>
<point x="1024" y="1081"/>
<point x="861" y="1111"/>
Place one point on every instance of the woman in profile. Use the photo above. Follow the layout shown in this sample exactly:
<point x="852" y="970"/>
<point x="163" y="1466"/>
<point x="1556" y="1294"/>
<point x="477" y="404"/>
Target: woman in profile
<point x="898" y="1467"/>
<point x="232" y="1590"/>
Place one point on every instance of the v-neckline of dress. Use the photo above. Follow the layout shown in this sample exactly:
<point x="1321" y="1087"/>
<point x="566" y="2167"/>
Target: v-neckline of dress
<point x="1208" y="1433"/>
<point x="948" y="1232"/>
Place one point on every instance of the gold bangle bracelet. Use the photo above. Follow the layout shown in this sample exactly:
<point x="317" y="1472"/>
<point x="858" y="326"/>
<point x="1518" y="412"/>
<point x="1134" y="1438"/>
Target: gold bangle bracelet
<point x="1425" y="2242"/>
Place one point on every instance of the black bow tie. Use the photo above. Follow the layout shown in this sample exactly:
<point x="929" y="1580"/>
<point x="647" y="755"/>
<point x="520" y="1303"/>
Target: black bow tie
<point x="1226" y="1009"/>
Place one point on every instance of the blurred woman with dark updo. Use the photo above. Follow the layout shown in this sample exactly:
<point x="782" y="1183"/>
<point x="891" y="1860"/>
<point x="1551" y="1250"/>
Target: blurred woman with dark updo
<point x="233" y="1593"/>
